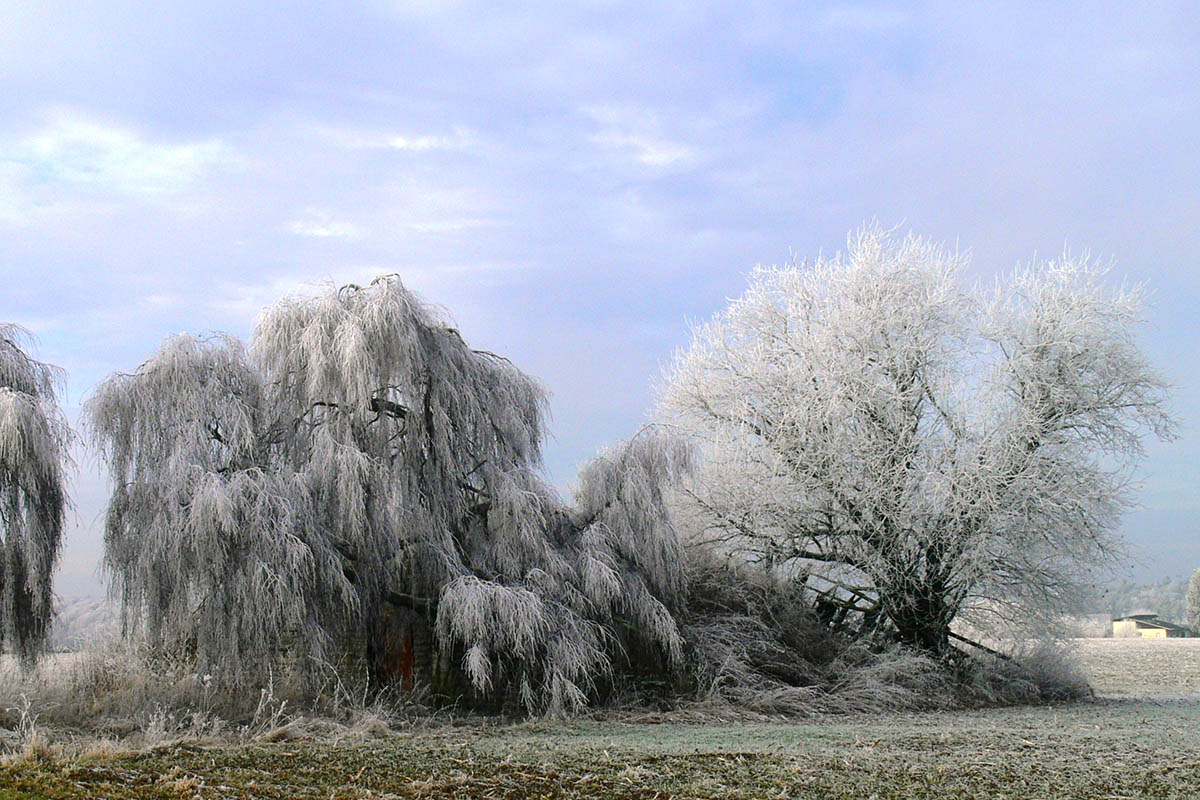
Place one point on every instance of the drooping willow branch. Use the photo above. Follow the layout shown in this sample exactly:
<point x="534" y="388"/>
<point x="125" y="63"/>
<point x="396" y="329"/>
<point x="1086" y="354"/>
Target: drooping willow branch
<point x="357" y="454"/>
<point x="34" y="437"/>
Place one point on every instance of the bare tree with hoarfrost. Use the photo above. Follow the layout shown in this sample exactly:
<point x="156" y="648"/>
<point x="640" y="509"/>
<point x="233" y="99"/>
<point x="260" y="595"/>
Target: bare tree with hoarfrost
<point x="913" y="449"/>
<point x="34" y="437"/>
<point x="1193" y="603"/>
<point x="360" y="461"/>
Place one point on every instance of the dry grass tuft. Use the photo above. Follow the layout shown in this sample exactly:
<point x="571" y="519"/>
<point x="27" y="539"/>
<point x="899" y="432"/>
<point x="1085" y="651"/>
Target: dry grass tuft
<point x="1037" y="672"/>
<point x="756" y="645"/>
<point x="103" y="750"/>
<point x="370" y="724"/>
<point x="114" y="699"/>
<point x="291" y="732"/>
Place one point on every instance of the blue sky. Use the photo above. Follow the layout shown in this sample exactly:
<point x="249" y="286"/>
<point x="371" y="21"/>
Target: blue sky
<point x="576" y="185"/>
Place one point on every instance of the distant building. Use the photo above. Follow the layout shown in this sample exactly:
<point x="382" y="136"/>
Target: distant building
<point x="1147" y="626"/>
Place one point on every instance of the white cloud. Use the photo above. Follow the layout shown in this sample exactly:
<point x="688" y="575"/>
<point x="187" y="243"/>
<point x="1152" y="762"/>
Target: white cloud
<point x="430" y="204"/>
<point x="646" y="150"/>
<point x="458" y="141"/>
<point x="161" y="301"/>
<point x="12" y="210"/>
<point x="349" y="138"/>
<point x="247" y="300"/>
<point x="38" y="326"/>
<point x="638" y="133"/>
<point x="451" y="225"/>
<point x="71" y="149"/>
<point x="322" y="225"/>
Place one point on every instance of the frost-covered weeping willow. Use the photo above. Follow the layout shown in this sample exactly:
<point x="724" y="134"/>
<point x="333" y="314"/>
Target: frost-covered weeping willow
<point x="33" y="451"/>
<point x="360" y="453"/>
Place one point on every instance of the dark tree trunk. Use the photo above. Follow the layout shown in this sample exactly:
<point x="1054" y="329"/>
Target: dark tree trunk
<point x="401" y="652"/>
<point x="922" y="620"/>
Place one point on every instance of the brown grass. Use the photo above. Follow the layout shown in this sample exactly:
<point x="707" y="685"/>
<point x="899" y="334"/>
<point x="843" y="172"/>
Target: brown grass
<point x="1110" y="748"/>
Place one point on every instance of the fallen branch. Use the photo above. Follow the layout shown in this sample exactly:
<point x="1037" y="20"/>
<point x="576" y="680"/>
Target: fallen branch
<point x="982" y="647"/>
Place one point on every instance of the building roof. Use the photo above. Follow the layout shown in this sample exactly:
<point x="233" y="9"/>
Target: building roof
<point x="1152" y="621"/>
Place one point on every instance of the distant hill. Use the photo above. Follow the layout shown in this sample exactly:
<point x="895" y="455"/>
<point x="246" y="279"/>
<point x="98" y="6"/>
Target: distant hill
<point x="79" y="620"/>
<point x="1166" y="597"/>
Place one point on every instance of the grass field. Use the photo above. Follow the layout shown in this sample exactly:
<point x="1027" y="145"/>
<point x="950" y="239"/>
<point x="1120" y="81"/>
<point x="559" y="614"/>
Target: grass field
<point x="1141" y="667"/>
<point x="1116" y="747"/>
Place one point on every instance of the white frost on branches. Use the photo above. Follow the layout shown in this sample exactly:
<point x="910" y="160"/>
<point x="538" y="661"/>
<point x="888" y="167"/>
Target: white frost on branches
<point x="923" y="447"/>
<point x="34" y="438"/>
<point x="1193" y="602"/>
<point x="359" y="453"/>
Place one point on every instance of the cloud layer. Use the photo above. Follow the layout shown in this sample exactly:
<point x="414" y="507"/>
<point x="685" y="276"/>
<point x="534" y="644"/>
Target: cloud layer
<point x="575" y="184"/>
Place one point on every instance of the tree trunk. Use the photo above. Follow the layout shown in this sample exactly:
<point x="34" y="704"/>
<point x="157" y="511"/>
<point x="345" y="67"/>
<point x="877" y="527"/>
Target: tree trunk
<point x="401" y="654"/>
<point x="922" y="621"/>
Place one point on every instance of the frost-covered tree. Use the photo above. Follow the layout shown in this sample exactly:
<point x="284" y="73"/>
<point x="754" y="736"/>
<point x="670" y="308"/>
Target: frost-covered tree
<point x="34" y="437"/>
<point x="912" y="448"/>
<point x="359" y="457"/>
<point x="1193" y="603"/>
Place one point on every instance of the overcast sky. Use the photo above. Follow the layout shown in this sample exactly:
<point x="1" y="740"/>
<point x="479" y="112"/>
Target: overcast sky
<point x="575" y="186"/>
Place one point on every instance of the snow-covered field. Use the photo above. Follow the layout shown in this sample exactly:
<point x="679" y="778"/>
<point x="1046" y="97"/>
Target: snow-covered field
<point x="1160" y="668"/>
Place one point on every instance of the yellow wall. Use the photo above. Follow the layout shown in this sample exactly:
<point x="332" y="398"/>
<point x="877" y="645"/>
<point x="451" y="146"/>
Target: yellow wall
<point x="1125" y="629"/>
<point x="1128" y="629"/>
